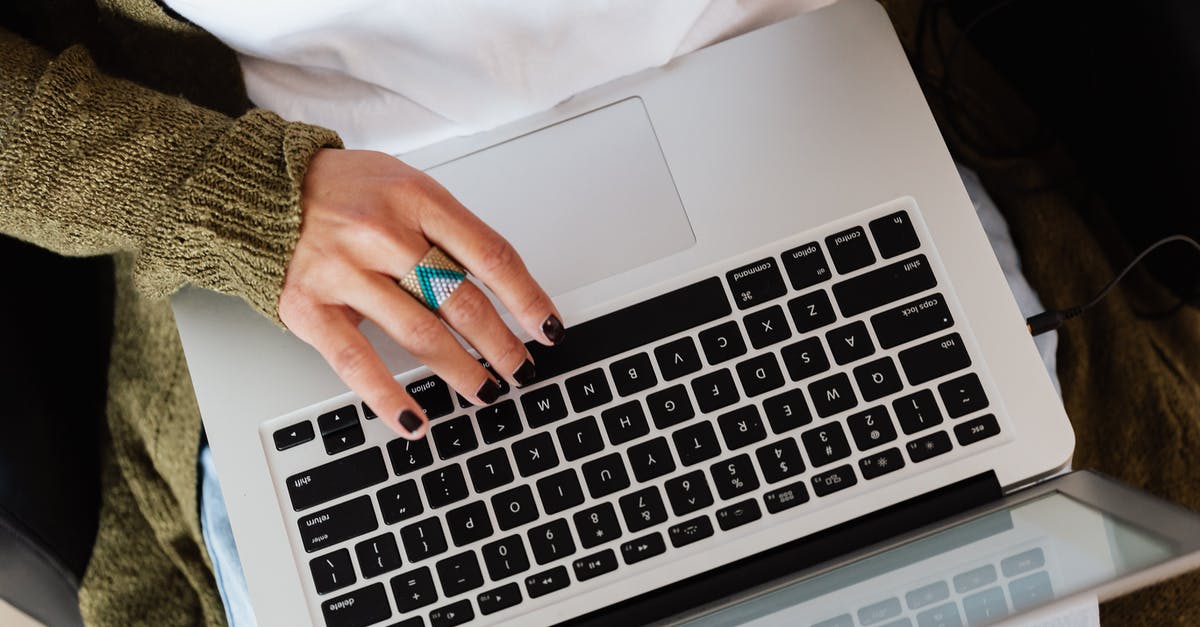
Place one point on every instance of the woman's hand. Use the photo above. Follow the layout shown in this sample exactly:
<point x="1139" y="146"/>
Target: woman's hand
<point x="367" y="220"/>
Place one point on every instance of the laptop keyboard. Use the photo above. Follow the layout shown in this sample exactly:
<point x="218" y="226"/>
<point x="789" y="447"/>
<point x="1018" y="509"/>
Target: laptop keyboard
<point x="816" y="371"/>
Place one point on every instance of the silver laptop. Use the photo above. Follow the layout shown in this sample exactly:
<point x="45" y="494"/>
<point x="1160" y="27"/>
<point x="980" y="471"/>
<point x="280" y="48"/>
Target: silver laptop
<point x="795" y="385"/>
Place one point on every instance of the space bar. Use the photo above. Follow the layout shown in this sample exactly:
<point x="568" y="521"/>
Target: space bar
<point x="636" y="325"/>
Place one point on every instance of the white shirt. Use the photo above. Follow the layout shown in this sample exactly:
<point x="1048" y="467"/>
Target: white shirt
<point x="397" y="75"/>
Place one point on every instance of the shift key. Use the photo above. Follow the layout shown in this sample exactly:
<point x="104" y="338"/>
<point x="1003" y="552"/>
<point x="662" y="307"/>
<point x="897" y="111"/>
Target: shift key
<point x="336" y="479"/>
<point x="884" y="285"/>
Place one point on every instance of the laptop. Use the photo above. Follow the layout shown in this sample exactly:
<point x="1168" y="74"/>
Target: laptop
<point x="795" y="386"/>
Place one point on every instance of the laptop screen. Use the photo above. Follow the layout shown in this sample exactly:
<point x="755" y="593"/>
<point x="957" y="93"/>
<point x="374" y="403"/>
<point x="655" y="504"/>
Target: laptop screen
<point x="975" y="573"/>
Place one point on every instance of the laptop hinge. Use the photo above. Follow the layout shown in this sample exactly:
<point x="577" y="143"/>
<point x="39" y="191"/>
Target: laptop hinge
<point x="800" y="554"/>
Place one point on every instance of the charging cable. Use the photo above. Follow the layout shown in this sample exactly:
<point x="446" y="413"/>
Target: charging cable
<point x="1054" y="318"/>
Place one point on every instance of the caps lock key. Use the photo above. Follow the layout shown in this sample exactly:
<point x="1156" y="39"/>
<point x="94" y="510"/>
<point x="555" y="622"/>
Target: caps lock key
<point x="756" y="283"/>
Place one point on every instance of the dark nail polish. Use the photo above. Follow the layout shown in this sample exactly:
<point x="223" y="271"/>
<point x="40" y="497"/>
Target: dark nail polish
<point x="553" y="329"/>
<point x="525" y="374"/>
<point x="410" y="421"/>
<point x="488" y="392"/>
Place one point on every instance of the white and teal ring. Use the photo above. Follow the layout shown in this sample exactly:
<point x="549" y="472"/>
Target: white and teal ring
<point x="434" y="278"/>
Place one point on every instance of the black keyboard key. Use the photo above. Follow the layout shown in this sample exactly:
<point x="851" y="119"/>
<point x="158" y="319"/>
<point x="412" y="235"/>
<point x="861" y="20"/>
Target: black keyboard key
<point x="760" y="374"/>
<point x="929" y="446"/>
<point x="498" y="421"/>
<point x="452" y="615"/>
<point x="642" y="509"/>
<point x="688" y="493"/>
<point x="587" y="390"/>
<point x="459" y="573"/>
<point x="976" y="429"/>
<point x="912" y="320"/>
<point x="805" y="265"/>
<point x="738" y="514"/>
<point x="414" y="589"/>
<point x="500" y="382"/>
<point x="696" y="443"/>
<point x="722" y="343"/>
<point x="597" y="525"/>
<point x="877" y="379"/>
<point x="294" y="435"/>
<point x="834" y="480"/>
<point x="335" y="524"/>
<point x="535" y="454"/>
<point x="677" y="358"/>
<point x="963" y="395"/>
<point x="689" y="531"/>
<point x="714" y="391"/>
<point x="887" y="284"/>
<point x="767" y="327"/>
<point x="336" y="479"/>
<point x="560" y="491"/>
<point x="543" y="406"/>
<point x="343" y="439"/>
<point x="670" y="407"/>
<point x="551" y="541"/>
<point x="548" y="581"/>
<point x="580" y="438"/>
<point x="433" y="395"/>
<point x="332" y="571"/>
<point x="469" y="523"/>
<point x="917" y="412"/>
<point x="378" y="555"/>
<point x="638" y="325"/>
<point x="871" y="427"/>
<point x="633" y="374"/>
<point x="881" y="463"/>
<point x="625" y="422"/>
<point x="933" y="359"/>
<point x="850" y="250"/>
<point x="514" y="507"/>
<point x="850" y="343"/>
<point x="734" y="477"/>
<point x="741" y="427"/>
<point x="832" y="395"/>
<point x="338" y="419"/>
<point x="756" y="283"/>
<point x="400" y="502"/>
<point x="787" y="411"/>
<point x="490" y="470"/>
<point x="359" y="608"/>
<point x="444" y="486"/>
<point x="805" y="358"/>
<point x="825" y="444"/>
<point x="423" y="539"/>
<point x="894" y="234"/>
<point x="499" y="599"/>
<point x="651" y="459"/>
<point x="368" y="413"/>
<point x="811" y="311"/>
<point x="454" y="437"/>
<point x="505" y="557"/>
<point x="780" y="460"/>
<point x="595" y="565"/>
<point x="643" y="548"/>
<point x="785" y="497"/>
<point x="605" y="475"/>
<point x="408" y="455"/>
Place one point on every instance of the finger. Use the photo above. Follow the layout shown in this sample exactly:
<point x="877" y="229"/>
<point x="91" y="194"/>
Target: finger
<point x="355" y="361"/>
<point x="421" y="333"/>
<point x="490" y="257"/>
<point x="470" y="312"/>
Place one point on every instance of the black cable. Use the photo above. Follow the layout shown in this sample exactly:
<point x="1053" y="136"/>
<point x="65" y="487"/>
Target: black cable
<point x="1054" y="318"/>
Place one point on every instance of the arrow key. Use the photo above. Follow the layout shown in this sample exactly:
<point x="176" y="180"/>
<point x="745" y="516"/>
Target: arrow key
<point x="501" y="598"/>
<point x="343" y="439"/>
<point x="454" y="614"/>
<point x="294" y="435"/>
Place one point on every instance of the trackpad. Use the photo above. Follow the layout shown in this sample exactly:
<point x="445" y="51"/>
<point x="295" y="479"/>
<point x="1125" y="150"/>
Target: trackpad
<point x="582" y="200"/>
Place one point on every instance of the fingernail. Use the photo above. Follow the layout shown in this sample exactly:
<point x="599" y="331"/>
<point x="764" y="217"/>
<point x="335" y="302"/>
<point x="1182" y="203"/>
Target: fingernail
<point x="410" y="421"/>
<point x="524" y="375"/>
<point x="553" y="329"/>
<point x="488" y="392"/>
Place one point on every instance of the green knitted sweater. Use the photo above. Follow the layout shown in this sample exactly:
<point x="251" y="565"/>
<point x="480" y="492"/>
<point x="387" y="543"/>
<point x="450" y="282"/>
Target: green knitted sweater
<point x="177" y="193"/>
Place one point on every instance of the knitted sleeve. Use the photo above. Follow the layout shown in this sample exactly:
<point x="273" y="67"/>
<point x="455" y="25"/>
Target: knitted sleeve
<point x="90" y="164"/>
